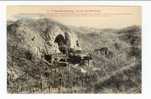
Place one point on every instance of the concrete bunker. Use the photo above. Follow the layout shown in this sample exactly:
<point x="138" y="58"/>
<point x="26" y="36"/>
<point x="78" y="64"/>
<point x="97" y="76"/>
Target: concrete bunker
<point x="62" y="41"/>
<point x="70" y="51"/>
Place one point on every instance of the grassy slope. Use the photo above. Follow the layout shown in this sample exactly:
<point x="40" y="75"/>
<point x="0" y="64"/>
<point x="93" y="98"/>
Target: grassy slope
<point x="122" y="73"/>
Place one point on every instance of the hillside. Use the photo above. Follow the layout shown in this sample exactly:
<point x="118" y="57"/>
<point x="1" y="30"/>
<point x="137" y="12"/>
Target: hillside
<point x="115" y="66"/>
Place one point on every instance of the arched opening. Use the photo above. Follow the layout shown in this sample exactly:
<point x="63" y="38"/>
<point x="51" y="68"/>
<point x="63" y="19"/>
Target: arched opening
<point x="60" y="40"/>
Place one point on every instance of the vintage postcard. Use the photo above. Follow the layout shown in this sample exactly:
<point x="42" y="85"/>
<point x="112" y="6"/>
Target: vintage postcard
<point x="73" y="49"/>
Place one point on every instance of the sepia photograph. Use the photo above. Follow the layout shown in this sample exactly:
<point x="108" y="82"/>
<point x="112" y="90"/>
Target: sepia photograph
<point x="74" y="49"/>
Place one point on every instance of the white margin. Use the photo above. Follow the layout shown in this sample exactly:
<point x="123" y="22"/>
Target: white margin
<point x="146" y="48"/>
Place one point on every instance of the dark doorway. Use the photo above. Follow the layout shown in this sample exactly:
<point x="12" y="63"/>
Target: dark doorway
<point x="60" y="40"/>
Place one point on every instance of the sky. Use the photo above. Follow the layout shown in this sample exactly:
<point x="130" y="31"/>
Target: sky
<point x="96" y="16"/>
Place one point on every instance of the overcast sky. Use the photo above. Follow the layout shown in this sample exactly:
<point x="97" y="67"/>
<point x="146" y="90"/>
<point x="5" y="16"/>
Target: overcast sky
<point x="89" y="16"/>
